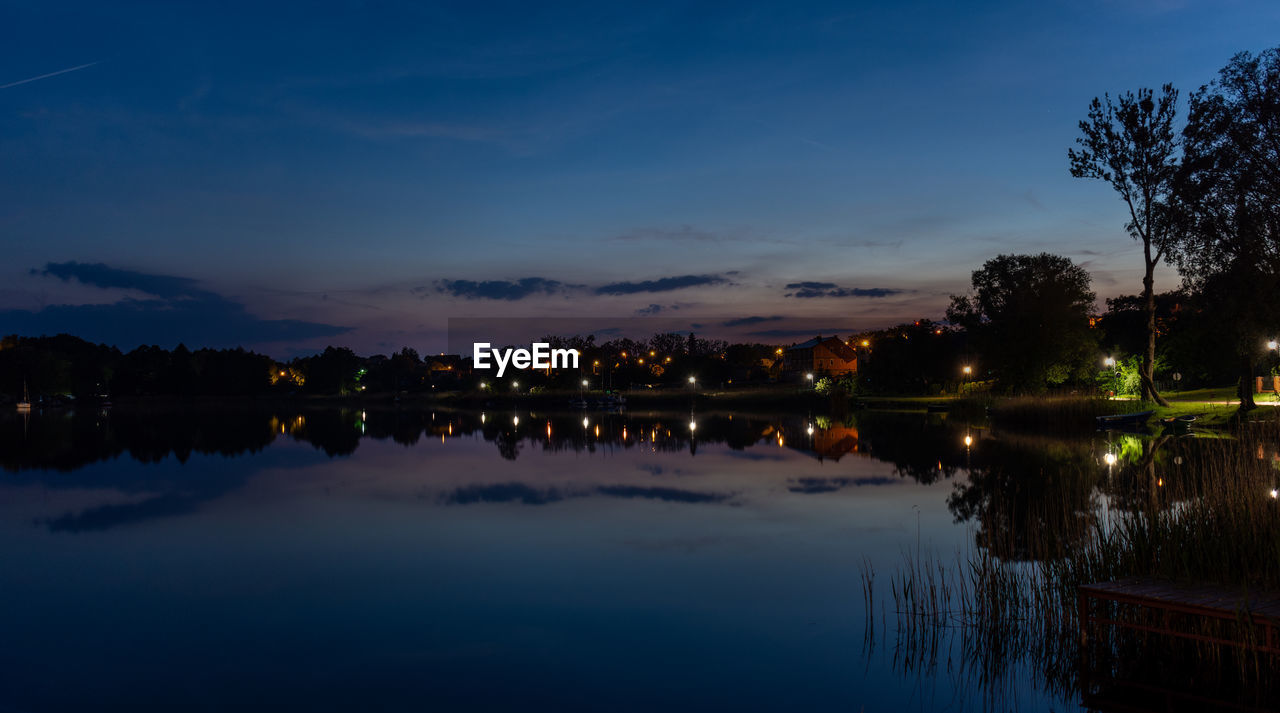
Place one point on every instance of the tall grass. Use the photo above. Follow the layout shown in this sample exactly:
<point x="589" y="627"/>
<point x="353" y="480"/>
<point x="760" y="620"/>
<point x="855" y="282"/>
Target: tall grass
<point x="1208" y="518"/>
<point x="1069" y="413"/>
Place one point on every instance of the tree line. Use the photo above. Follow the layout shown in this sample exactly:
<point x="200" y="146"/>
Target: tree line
<point x="1202" y="198"/>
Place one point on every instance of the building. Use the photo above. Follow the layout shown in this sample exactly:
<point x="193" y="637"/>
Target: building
<point x="821" y="357"/>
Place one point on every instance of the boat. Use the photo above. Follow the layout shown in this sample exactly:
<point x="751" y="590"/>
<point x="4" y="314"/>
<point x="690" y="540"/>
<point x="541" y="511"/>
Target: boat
<point x="937" y="408"/>
<point x="1124" y="420"/>
<point x="1179" y="420"/>
<point x="24" y="406"/>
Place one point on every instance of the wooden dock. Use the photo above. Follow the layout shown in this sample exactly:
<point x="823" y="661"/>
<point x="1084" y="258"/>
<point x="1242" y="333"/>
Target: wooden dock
<point x="1256" y="615"/>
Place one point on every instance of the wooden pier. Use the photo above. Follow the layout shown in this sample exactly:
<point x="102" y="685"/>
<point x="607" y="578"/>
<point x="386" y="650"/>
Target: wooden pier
<point x="1256" y="615"/>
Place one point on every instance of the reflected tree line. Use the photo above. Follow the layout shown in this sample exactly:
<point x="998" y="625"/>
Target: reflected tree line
<point x="1031" y="497"/>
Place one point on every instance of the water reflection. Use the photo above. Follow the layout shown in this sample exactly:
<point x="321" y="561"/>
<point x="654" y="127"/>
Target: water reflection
<point x="1015" y="484"/>
<point x="666" y="540"/>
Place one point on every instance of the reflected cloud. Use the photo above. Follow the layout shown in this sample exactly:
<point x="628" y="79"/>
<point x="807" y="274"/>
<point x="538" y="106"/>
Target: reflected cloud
<point x="810" y="486"/>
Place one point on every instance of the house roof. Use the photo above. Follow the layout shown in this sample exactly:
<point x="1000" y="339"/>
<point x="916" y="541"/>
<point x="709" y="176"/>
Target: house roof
<point x="834" y="345"/>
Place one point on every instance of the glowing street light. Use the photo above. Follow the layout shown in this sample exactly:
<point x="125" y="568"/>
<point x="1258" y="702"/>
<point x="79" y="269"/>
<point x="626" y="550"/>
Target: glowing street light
<point x="1271" y="344"/>
<point x="693" y="425"/>
<point x="585" y="383"/>
<point x="809" y="430"/>
<point x="1109" y="458"/>
<point x="693" y="380"/>
<point x="968" y="440"/>
<point x="809" y="376"/>
<point x="967" y="370"/>
<point x="1110" y="361"/>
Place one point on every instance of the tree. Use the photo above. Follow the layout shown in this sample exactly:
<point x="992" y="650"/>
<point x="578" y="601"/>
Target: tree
<point x="1132" y="145"/>
<point x="1028" y="316"/>
<point x="1230" y="185"/>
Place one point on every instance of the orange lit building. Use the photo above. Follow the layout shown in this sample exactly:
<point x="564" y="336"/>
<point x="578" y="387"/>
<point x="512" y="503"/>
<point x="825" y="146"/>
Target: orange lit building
<point x="822" y="357"/>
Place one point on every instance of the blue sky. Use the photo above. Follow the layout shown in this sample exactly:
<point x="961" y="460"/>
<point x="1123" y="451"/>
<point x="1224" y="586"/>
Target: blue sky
<point x="357" y="173"/>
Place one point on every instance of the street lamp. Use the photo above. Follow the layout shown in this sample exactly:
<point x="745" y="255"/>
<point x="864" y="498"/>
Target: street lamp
<point x="1271" y="344"/>
<point x="809" y="376"/>
<point x="1110" y="361"/>
<point x="692" y="380"/>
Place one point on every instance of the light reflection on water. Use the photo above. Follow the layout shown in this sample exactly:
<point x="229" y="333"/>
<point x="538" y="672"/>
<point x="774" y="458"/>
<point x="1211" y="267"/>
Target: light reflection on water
<point x="385" y="560"/>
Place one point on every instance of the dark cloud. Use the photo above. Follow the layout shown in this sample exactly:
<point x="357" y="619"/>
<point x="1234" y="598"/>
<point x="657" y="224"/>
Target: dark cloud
<point x="748" y="321"/>
<point x="797" y="332"/>
<point x="502" y="493"/>
<point x="811" y="285"/>
<point x="526" y="495"/>
<point x="108" y="516"/>
<point x="498" y="289"/>
<point x="810" y="290"/>
<point x="671" y="495"/>
<point x="810" y="486"/>
<point x="177" y="310"/>
<point x="100" y="275"/>
<point x="655" y="309"/>
<point x="665" y="284"/>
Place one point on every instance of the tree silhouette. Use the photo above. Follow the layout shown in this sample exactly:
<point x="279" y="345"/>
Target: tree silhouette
<point x="1230" y="183"/>
<point x="1131" y="144"/>
<point x="1029" y="318"/>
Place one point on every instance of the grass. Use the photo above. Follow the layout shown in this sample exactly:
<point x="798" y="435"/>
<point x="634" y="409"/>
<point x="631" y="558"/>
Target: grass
<point x="1206" y="517"/>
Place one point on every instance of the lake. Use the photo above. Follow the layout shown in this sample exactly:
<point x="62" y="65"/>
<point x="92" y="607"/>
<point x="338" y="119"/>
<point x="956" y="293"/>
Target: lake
<point x="334" y="559"/>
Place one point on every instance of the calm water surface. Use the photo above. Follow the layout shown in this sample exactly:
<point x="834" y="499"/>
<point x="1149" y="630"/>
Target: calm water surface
<point x="340" y="560"/>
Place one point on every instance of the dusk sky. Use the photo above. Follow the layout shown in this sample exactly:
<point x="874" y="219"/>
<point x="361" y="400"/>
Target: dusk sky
<point x="358" y="173"/>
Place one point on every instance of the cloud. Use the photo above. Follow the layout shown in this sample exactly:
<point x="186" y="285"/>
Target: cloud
<point x="810" y="290"/>
<point x="748" y="321"/>
<point x="510" y="290"/>
<point x="665" y="284"/>
<point x="671" y="495"/>
<point x="502" y="493"/>
<point x="811" y="285"/>
<point x="655" y="309"/>
<point x="100" y="275"/>
<point x="526" y="495"/>
<point x="176" y="310"/>
<point x="811" y="486"/>
<point x="797" y="332"/>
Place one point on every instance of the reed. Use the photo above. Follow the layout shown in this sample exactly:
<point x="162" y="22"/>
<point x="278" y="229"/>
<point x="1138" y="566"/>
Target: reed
<point x="1208" y="518"/>
<point x="1067" y="413"/>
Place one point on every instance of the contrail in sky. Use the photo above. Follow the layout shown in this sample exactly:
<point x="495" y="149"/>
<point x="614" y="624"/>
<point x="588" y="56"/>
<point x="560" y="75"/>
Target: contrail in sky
<point x="45" y="76"/>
